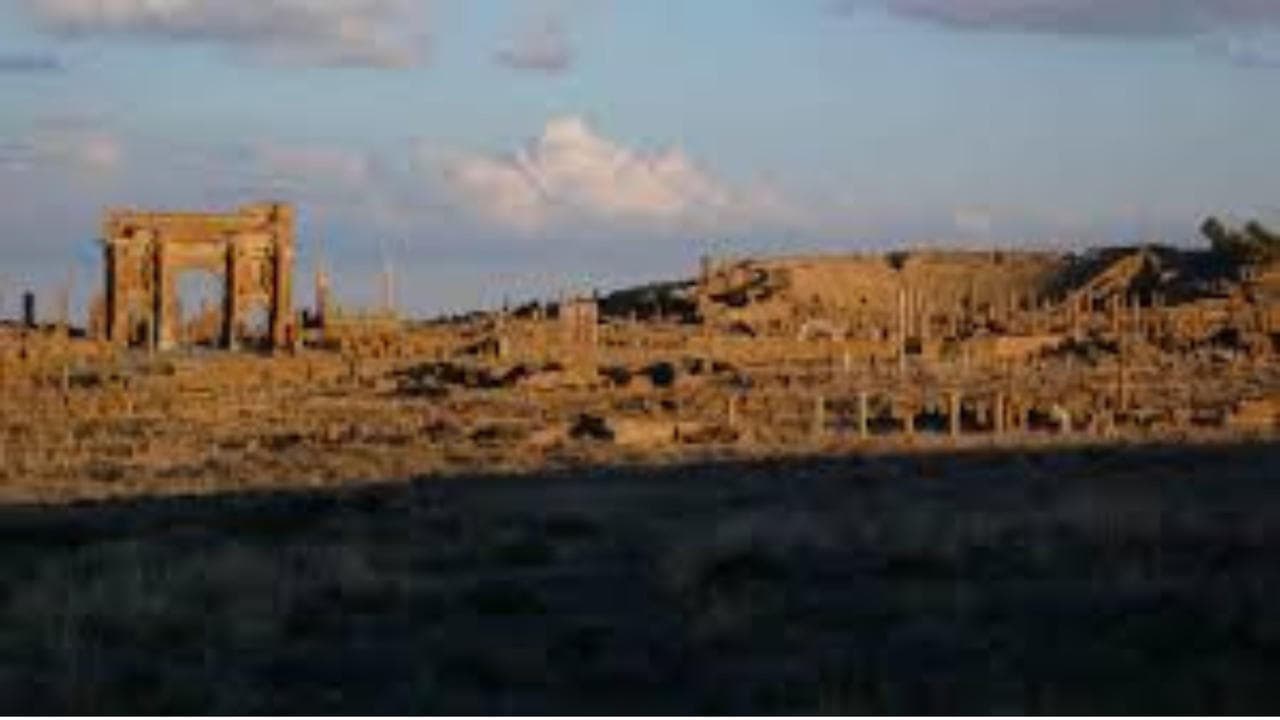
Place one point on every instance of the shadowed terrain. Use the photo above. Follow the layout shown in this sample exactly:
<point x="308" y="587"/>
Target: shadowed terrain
<point x="1138" y="579"/>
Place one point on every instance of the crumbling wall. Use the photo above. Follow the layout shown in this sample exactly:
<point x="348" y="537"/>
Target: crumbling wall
<point x="868" y="290"/>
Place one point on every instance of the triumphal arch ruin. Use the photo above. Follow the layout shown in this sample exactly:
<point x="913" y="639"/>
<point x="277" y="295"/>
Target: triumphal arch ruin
<point x="251" y="251"/>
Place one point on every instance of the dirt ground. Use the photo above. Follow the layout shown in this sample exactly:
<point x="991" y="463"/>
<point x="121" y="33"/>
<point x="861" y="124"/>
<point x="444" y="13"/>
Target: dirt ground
<point x="1113" y="579"/>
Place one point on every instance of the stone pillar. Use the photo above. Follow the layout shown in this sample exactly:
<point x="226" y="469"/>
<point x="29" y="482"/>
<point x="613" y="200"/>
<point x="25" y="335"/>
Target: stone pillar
<point x="1122" y="386"/>
<point x="863" y="407"/>
<point x="231" y="309"/>
<point x="998" y="414"/>
<point x="28" y="309"/>
<point x="111" y="293"/>
<point x="1122" y="377"/>
<point x="902" y="332"/>
<point x="917" y="313"/>
<point x="732" y="412"/>
<point x="908" y="412"/>
<point x="819" y="417"/>
<point x="953" y="412"/>
<point x="282" y="307"/>
<point x="162" y="330"/>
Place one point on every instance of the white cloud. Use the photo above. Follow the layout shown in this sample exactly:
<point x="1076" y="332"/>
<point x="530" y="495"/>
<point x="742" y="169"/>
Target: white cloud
<point x="378" y="33"/>
<point x="572" y="174"/>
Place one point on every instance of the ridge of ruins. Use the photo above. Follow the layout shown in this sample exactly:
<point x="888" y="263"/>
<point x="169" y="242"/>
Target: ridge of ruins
<point x="751" y="356"/>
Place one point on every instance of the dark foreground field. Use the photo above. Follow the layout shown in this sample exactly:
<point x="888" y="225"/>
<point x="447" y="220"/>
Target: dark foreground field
<point x="1087" y="580"/>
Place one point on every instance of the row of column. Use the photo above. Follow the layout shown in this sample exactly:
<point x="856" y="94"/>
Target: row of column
<point x="1000" y="414"/>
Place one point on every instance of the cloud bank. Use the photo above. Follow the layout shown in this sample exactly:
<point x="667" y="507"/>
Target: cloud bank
<point x="370" y="33"/>
<point x="571" y="174"/>
<point x="1120" y="17"/>
<point x="1104" y="17"/>
<point x="1246" y="31"/>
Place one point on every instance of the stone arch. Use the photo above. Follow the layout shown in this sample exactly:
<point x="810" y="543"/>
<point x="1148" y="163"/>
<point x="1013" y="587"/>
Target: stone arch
<point x="145" y="255"/>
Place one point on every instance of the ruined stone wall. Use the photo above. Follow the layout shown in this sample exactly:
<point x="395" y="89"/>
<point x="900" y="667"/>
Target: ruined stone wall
<point x="869" y="291"/>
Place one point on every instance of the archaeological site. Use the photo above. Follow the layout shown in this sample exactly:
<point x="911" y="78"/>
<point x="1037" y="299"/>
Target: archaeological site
<point x="701" y="358"/>
<point x="910" y="350"/>
<point x="919" y="481"/>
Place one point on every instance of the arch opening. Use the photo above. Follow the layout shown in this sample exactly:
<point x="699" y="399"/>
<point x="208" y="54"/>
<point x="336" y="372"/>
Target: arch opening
<point x="254" y="327"/>
<point x="201" y="296"/>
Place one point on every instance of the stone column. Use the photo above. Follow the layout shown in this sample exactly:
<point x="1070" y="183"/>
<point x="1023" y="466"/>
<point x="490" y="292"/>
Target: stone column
<point x="908" y="412"/>
<point x="953" y="412"/>
<point x="1122" y="375"/>
<point x="863" y="425"/>
<point x="231" y="286"/>
<point x="998" y="414"/>
<point x="819" y="417"/>
<point x="917" y="313"/>
<point x="1122" y="384"/>
<point x="902" y="332"/>
<point x="1135" y="317"/>
<point x="111" y="306"/>
<point x="162" y="331"/>
<point x="282" y="306"/>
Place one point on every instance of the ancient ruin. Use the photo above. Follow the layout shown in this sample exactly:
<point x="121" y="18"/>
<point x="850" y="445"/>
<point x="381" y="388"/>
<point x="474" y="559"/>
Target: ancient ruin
<point x="752" y="356"/>
<point x="251" y="251"/>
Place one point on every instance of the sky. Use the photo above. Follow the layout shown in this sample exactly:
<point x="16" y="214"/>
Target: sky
<point x="493" y="150"/>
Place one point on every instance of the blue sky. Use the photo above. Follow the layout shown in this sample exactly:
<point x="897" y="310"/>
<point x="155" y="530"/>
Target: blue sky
<point x="492" y="148"/>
